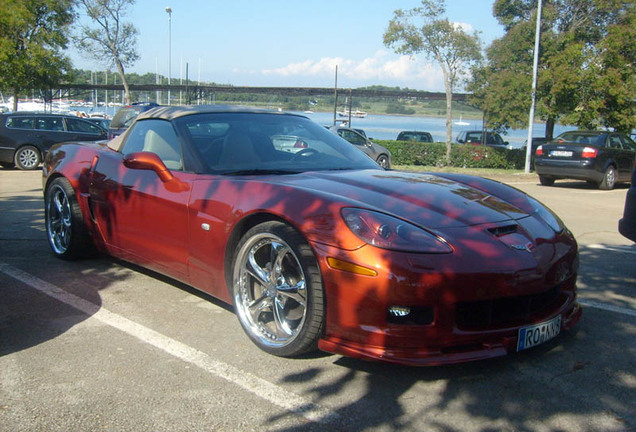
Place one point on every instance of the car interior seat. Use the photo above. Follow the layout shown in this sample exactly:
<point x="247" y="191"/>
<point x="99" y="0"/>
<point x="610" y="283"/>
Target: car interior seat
<point x="238" y="149"/>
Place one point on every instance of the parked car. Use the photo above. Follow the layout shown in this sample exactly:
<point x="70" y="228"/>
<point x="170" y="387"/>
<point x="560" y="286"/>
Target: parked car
<point x="627" y="224"/>
<point x="536" y="142"/>
<point x="599" y="157"/>
<point x="415" y="136"/>
<point x="126" y="116"/>
<point x="321" y="248"/>
<point x="102" y="122"/>
<point x="375" y="151"/>
<point x="493" y="139"/>
<point x="25" y="137"/>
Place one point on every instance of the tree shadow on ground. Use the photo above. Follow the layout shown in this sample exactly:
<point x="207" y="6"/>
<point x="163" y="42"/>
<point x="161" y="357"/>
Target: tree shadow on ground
<point x="583" y="380"/>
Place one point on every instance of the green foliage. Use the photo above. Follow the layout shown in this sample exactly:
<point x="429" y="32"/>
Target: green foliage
<point x="396" y="108"/>
<point x="32" y="35"/>
<point x="462" y="156"/>
<point x="586" y="67"/>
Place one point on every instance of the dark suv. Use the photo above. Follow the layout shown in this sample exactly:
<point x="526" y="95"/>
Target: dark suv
<point x="126" y="116"/>
<point x="26" y="137"/>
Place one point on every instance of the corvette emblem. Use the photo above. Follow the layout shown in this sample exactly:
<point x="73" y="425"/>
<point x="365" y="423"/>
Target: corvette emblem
<point x="528" y="247"/>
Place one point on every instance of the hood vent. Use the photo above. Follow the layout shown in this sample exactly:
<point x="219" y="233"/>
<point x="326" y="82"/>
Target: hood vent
<point x="503" y="230"/>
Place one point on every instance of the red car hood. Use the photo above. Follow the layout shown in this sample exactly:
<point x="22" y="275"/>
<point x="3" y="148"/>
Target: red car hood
<point x="428" y="200"/>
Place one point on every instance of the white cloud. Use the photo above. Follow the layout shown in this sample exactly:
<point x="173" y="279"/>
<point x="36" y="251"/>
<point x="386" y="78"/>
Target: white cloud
<point x="468" y="28"/>
<point x="383" y="68"/>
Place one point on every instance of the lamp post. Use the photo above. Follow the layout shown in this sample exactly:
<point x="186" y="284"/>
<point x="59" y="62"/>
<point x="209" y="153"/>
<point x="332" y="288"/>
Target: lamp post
<point x="537" y="36"/>
<point x="169" y="11"/>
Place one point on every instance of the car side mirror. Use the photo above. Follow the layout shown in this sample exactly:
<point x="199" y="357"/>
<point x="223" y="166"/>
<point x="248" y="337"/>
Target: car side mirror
<point x="148" y="161"/>
<point x="461" y="141"/>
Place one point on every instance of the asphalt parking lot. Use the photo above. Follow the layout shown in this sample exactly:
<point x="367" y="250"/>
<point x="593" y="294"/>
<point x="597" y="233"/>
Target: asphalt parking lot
<point x="100" y="344"/>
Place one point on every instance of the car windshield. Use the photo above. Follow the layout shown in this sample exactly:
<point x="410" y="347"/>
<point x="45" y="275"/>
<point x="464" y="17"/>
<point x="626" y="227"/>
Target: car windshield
<point x="246" y="143"/>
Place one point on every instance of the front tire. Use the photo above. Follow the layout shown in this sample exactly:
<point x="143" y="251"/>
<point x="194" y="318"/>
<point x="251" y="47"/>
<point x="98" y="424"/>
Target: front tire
<point x="609" y="179"/>
<point x="65" y="229"/>
<point x="277" y="290"/>
<point x="27" y="158"/>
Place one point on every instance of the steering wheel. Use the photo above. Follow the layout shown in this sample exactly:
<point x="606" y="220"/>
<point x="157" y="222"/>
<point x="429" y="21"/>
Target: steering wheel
<point x="306" y="152"/>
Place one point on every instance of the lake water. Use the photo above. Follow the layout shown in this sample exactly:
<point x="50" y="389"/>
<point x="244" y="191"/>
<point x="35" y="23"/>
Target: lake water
<point x="388" y="126"/>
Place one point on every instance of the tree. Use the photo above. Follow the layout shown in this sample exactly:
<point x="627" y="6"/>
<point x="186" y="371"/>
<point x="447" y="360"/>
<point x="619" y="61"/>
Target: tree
<point x="32" y="35"/>
<point x="424" y="30"/>
<point x="586" y="66"/>
<point x="112" y="42"/>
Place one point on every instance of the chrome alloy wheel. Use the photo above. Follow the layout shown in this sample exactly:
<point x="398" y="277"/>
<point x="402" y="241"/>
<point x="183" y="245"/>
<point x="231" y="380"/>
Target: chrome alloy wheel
<point x="59" y="219"/>
<point x="270" y="290"/>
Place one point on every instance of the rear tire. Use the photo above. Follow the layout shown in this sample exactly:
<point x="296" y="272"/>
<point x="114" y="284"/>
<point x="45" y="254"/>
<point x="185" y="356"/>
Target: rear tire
<point x="609" y="179"/>
<point x="383" y="161"/>
<point x="546" y="181"/>
<point x="27" y="158"/>
<point x="65" y="229"/>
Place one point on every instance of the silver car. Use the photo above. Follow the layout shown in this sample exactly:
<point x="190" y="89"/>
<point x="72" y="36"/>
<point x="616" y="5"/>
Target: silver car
<point x="375" y="151"/>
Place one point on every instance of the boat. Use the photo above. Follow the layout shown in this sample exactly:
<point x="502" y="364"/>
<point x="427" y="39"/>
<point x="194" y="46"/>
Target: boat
<point x="461" y="122"/>
<point x="356" y="113"/>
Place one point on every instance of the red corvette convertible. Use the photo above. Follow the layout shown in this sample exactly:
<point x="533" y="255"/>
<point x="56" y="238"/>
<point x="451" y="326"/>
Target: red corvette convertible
<point x="318" y="247"/>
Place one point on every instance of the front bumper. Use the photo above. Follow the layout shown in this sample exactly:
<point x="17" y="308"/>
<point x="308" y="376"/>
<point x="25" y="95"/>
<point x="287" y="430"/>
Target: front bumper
<point x="479" y="297"/>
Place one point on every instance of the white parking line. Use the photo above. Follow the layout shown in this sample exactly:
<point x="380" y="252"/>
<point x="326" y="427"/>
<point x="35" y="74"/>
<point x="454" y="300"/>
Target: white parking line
<point x="625" y="249"/>
<point x="258" y="386"/>
<point x="608" y="307"/>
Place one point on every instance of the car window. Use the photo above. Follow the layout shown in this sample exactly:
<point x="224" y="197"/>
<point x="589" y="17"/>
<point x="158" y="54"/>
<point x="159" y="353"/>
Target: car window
<point x="21" y="122"/>
<point x="473" y="137"/>
<point x="615" y="142"/>
<point x="493" y="139"/>
<point x="77" y="125"/>
<point x="50" y="123"/>
<point x="352" y="137"/>
<point x="155" y="136"/>
<point x="628" y="143"/>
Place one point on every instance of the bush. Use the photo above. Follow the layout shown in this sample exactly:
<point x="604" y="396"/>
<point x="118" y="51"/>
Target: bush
<point x="462" y="156"/>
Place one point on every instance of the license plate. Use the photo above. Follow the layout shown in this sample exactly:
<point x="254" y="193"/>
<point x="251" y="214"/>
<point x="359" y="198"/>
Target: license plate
<point x="537" y="334"/>
<point x="561" y="153"/>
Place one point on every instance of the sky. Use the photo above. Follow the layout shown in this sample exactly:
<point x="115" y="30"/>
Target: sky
<point x="286" y="43"/>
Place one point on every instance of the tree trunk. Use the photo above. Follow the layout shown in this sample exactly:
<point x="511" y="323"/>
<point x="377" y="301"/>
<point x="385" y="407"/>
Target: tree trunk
<point x="120" y="71"/>
<point x="448" y="87"/>
<point x="16" y="97"/>
<point x="549" y="128"/>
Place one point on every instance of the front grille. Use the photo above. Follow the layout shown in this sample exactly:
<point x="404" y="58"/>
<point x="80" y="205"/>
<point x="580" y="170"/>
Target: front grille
<point x="508" y="310"/>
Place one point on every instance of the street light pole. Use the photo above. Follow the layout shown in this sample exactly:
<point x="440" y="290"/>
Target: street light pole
<point x="537" y="36"/>
<point x="169" y="11"/>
